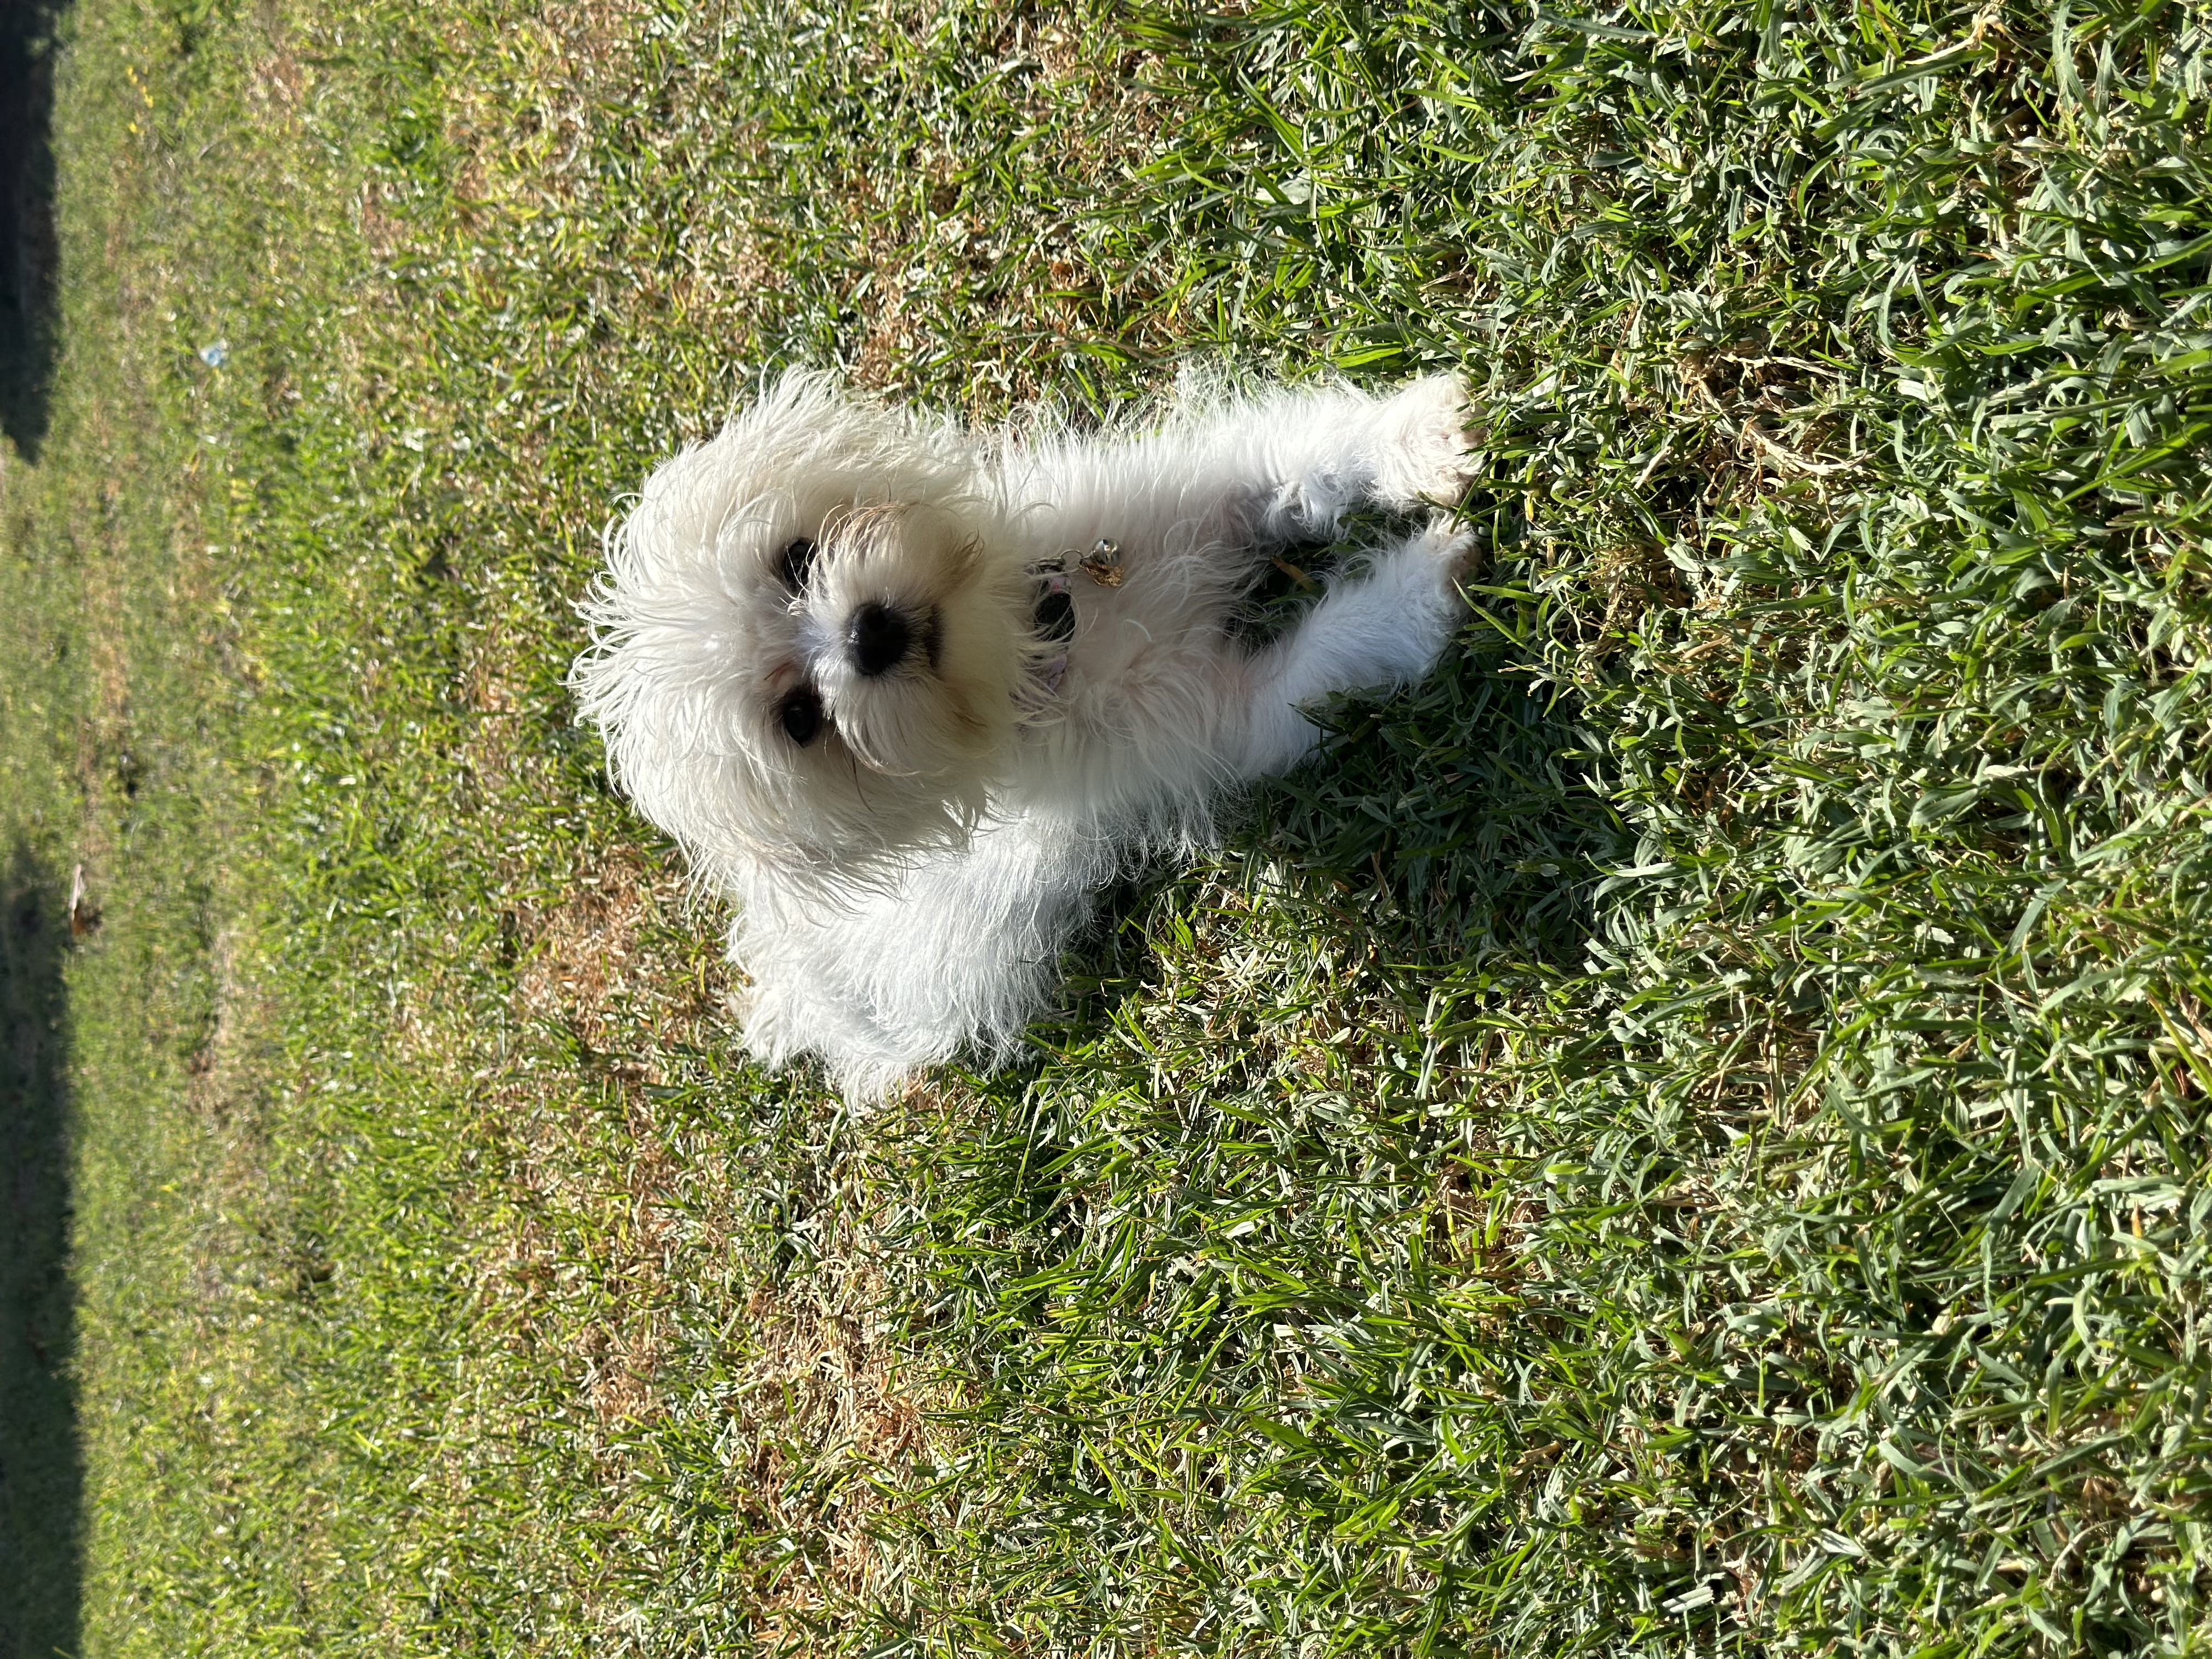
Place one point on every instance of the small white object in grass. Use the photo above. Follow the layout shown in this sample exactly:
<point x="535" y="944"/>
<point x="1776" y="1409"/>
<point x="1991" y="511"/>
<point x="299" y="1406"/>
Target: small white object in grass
<point x="216" y="354"/>
<point x="82" y="917"/>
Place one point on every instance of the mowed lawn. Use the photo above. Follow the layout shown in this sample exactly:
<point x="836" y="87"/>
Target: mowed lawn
<point x="1686" y="1133"/>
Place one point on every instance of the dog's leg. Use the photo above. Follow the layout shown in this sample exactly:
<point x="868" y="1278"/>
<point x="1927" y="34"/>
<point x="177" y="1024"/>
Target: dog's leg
<point x="1378" y="630"/>
<point x="956" y="947"/>
<point x="1284" y="468"/>
<point x="1325" y="451"/>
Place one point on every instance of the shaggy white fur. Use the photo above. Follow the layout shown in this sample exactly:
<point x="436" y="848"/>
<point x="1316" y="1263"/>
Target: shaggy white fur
<point x="911" y="694"/>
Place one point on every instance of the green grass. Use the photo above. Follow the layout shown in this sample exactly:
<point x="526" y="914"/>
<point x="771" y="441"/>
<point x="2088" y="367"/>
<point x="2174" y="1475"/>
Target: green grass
<point x="1688" y="1132"/>
<point x="40" y="1476"/>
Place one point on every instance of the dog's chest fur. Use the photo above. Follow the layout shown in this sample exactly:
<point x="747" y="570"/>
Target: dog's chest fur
<point x="1144" y="670"/>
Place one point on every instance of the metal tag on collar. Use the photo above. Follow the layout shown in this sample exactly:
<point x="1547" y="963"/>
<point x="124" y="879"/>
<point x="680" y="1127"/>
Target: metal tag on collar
<point x="1104" y="564"/>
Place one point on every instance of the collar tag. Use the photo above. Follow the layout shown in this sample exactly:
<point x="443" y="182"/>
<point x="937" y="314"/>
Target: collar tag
<point x="1104" y="564"/>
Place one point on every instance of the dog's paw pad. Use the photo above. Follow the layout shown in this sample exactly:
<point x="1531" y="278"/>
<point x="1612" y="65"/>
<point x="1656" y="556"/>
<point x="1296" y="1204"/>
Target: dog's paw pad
<point x="1425" y="445"/>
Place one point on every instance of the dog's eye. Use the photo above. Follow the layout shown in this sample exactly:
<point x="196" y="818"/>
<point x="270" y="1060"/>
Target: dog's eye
<point x="802" y="715"/>
<point x="795" y="564"/>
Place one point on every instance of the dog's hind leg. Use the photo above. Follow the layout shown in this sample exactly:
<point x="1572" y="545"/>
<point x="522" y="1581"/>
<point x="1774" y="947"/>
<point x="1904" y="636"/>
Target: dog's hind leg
<point x="956" y="949"/>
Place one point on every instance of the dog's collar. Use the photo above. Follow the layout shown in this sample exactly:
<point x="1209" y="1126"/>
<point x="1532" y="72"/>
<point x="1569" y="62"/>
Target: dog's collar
<point x="1053" y="618"/>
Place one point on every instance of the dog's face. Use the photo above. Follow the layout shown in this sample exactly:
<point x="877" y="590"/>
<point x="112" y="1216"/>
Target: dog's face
<point x="805" y="654"/>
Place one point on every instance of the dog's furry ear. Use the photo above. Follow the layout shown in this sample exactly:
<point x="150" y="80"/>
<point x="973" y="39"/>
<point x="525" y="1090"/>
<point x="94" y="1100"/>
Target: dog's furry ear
<point x="811" y="425"/>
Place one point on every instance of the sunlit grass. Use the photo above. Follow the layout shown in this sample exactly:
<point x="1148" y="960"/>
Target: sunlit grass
<point x="1686" y="1132"/>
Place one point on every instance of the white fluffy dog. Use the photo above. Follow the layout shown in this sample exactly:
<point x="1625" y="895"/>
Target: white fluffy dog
<point x="910" y="695"/>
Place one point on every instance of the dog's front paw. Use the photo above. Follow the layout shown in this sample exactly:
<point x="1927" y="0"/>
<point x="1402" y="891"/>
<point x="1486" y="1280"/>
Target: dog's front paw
<point x="1417" y="586"/>
<point x="1387" y="625"/>
<point x="1424" y="446"/>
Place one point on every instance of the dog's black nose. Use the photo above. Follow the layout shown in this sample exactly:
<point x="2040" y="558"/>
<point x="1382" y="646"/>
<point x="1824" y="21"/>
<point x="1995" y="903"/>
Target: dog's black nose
<point x="880" y="638"/>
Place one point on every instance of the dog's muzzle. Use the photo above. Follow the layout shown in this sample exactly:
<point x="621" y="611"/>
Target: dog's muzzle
<point x="879" y="639"/>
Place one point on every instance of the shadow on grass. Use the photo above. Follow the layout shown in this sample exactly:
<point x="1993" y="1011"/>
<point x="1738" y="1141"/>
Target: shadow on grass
<point x="30" y="262"/>
<point x="1451" y="827"/>
<point x="1449" y="832"/>
<point x="40" y="1465"/>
